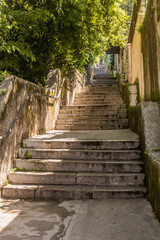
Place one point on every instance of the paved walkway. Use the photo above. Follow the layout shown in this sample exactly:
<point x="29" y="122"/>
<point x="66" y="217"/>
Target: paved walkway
<point x="78" y="220"/>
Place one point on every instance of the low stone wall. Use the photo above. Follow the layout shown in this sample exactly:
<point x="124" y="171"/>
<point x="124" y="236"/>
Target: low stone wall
<point x="149" y="131"/>
<point x="38" y="116"/>
<point x="144" y="119"/>
<point x="130" y="96"/>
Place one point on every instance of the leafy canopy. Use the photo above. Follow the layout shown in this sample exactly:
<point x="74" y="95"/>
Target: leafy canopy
<point x="37" y="35"/>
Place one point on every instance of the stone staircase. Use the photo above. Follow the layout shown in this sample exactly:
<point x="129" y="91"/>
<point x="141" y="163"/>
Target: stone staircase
<point x="98" y="107"/>
<point x="79" y="160"/>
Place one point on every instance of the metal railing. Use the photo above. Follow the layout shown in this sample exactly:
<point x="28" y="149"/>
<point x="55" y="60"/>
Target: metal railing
<point x="25" y="102"/>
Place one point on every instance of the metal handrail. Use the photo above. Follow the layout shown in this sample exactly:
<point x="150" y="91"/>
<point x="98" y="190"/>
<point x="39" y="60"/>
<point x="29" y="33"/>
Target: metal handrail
<point x="23" y="105"/>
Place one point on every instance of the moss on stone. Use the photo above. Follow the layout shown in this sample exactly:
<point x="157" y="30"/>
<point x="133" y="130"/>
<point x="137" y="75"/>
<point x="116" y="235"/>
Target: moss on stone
<point x="133" y="118"/>
<point x="136" y="82"/>
<point x="153" y="182"/>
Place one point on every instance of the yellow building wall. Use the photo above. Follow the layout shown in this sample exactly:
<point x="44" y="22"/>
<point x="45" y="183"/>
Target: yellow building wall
<point x="137" y="59"/>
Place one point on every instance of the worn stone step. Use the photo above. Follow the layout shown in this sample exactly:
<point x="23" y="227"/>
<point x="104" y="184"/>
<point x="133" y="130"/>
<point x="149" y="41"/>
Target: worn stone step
<point x="100" y="98"/>
<point x="81" y="154"/>
<point x="96" y="106"/>
<point x="91" y="116"/>
<point x="53" y="178"/>
<point x="106" y="111"/>
<point x="96" y="88"/>
<point x="91" y="127"/>
<point x="81" y="144"/>
<point x="70" y="192"/>
<point x="98" y="101"/>
<point x="107" y="101"/>
<point x="58" y="165"/>
<point x="42" y="177"/>
<point x="111" y="179"/>
<point x="102" y="87"/>
<point x="91" y="121"/>
<point x="98" y="94"/>
<point x="97" y="97"/>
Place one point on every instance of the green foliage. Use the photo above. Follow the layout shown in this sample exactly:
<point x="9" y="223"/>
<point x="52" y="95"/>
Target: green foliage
<point x="156" y="149"/>
<point x="15" y="169"/>
<point x="8" y="181"/>
<point x="3" y="74"/>
<point x="109" y="60"/>
<point x="36" y="36"/>
<point x="27" y="155"/>
<point x="41" y="132"/>
<point x="22" y="145"/>
<point x="127" y="5"/>
<point x="31" y="170"/>
<point x="3" y="91"/>
<point x="139" y="28"/>
<point x="146" y="151"/>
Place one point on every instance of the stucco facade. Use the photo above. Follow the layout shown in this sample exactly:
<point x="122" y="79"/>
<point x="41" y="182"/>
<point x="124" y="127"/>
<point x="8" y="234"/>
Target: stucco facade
<point x="135" y="57"/>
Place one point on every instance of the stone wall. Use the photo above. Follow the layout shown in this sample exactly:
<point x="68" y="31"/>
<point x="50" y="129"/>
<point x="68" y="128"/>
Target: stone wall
<point x="151" y="50"/>
<point x="38" y="116"/>
<point x="144" y="119"/>
<point x="149" y="131"/>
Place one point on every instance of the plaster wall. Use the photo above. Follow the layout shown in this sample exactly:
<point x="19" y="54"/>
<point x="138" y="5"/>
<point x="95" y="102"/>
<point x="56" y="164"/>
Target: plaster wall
<point x="137" y="59"/>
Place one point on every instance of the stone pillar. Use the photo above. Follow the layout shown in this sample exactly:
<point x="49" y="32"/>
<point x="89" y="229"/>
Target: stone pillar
<point x="132" y="95"/>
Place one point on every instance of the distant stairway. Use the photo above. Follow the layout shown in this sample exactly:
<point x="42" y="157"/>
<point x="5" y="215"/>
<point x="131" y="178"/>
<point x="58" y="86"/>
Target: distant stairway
<point x="98" y="107"/>
<point x="98" y="158"/>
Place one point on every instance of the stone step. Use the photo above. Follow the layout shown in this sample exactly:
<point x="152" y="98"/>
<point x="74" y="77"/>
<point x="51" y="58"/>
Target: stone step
<point x="104" y="81"/>
<point x="107" y="111"/>
<point x="94" y="91"/>
<point x="98" y="94"/>
<point x="108" y="84"/>
<point x="83" y="101"/>
<point x="95" y="106"/>
<point x="112" y="126"/>
<point x="60" y="165"/>
<point x="96" y="98"/>
<point x="97" y="88"/>
<point x="105" y="88"/>
<point x="104" y="76"/>
<point x="70" y="192"/>
<point x="105" y="99"/>
<point x="93" y="102"/>
<point x="81" y="154"/>
<point x="81" y="144"/>
<point x="66" y="178"/>
<point x="111" y="179"/>
<point x="91" y="116"/>
<point x="102" y="87"/>
<point x="91" y="121"/>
